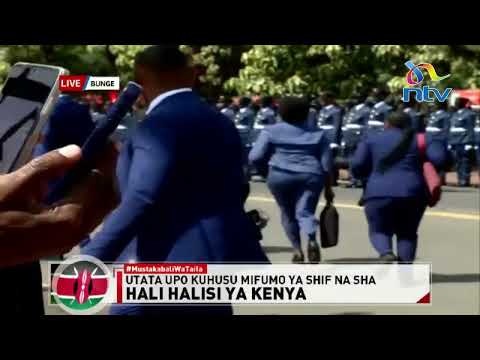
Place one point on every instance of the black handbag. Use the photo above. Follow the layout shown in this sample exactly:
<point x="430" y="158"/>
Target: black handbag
<point x="329" y="226"/>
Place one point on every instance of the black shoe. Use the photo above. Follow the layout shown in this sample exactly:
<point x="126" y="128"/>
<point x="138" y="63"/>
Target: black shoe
<point x="390" y="257"/>
<point x="313" y="252"/>
<point x="463" y="184"/>
<point x="298" y="258"/>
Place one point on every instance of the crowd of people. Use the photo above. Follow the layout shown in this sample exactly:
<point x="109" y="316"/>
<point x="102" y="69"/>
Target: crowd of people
<point x="347" y="123"/>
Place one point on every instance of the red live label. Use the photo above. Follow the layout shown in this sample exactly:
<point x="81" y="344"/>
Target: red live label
<point x="72" y="82"/>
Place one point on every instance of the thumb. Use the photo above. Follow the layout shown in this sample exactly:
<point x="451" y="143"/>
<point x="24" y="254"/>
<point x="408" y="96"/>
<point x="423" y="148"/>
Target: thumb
<point x="48" y="166"/>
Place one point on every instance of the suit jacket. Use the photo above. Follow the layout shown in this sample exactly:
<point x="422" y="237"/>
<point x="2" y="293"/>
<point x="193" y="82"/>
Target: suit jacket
<point x="296" y="148"/>
<point x="404" y="178"/>
<point x="181" y="181"/>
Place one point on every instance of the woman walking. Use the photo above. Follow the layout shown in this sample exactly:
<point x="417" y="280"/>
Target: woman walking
<point x="300" y="166"/>
<point x="395" y="196"/>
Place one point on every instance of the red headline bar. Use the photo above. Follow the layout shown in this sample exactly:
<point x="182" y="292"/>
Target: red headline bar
<point x="165" y="268"/>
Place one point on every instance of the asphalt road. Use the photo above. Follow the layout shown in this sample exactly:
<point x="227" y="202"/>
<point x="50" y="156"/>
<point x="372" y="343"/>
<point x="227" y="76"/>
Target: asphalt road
<point x="449" y="238"/>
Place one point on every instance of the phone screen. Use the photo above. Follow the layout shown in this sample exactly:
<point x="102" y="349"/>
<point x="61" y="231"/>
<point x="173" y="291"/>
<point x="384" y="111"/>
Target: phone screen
<point x="23" y="96"/>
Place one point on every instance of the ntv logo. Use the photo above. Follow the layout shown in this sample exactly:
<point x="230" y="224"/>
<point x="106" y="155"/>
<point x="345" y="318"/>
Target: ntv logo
<point x="415" y="77"/>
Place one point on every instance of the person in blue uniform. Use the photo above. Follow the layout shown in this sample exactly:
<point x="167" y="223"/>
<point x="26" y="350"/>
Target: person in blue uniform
<point x="313" y="110"/>
<point x="461" y="138"/>
<point x="244" y="121"/>
<point x="477" y="141"/>
<point x="181" y="181"/>
<point x="355" y="122"/>
<point x="300" y="164"/>
<point x="395" y="196"/>
<point x="437" y="126"/>
<point x="380" y="111"/>
<point x="330" y="120"/>
<point x="229" y="110"/>
<point x="411" y="109"/>
<point x="266" y="116"/>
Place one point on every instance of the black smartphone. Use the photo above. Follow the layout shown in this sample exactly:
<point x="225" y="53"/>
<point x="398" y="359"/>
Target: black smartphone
<point x="26" y="100"/>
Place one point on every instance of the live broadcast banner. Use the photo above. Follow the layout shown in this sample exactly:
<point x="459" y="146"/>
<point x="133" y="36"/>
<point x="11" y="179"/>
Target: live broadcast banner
<point x="79" y="284"/>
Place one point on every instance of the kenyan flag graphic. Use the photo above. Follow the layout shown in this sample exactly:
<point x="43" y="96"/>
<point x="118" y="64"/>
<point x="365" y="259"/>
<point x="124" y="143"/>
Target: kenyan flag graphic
<point x="80" y="285"/>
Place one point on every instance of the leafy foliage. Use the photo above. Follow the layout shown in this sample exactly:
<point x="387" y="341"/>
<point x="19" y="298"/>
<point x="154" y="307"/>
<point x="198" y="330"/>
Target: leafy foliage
<point x="271" y="69"/>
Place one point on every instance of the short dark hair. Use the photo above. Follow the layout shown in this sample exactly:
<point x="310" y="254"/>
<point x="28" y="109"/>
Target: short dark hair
<point x="327" y="95"/>
<point x="267" y="101"/>
<point x="399" y="119"/>
<point x="162" y="58"/>
<point x="293" y="109"/>
<point x="245" y="101"/>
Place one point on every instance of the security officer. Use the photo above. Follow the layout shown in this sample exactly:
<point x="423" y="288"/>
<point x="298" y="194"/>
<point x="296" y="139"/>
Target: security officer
<point x="244" y="120"/>
<point x="355" y="122"/>
<point x="461" y="139"/>
<point x="330" y="120"/>
<point x="438" y="123"/>
<point x="477" y="141"/>
<point x="410" y="109"/>
<point x="229" y="110"/>
<point x="313" y="110"/>
<point x="380" y="110"/>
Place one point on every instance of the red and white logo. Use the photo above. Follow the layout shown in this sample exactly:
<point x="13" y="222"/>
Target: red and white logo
<point x="79" y="83"/>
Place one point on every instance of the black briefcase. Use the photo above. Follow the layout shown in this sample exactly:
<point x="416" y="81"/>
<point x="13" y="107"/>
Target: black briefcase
<point x="329" y="226"/>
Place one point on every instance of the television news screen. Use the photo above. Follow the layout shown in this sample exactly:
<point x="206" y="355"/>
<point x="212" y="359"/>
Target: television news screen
<point x="247" y="180"/>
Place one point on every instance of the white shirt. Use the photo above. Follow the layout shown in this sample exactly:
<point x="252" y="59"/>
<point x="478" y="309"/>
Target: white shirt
<point x="328" y="106"/>
<point x="155" y="102"/>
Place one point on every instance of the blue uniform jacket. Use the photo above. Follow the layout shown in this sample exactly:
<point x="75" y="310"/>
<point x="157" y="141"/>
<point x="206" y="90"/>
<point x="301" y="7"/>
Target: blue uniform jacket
<point x="415" y="119"/>
<point x="229" y="113"/>
<point x="379" y="114"/>
<point x="355" y="121"/>
<point x="462" y="124"/>
<point x="266" y="116"/>
<point x="404" y="178"/>
<point x="438" y="124"/>
<point x="245" y="117"/>
<point x="182" y="186"/>
<point x="296" y="148"/>
<point x="330" y="120"/>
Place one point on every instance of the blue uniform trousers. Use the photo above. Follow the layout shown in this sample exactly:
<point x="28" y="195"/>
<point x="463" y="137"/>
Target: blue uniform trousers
<point x="395" y="216"/>
<point x="462" y="162"/>
<point x="297" y="195"/>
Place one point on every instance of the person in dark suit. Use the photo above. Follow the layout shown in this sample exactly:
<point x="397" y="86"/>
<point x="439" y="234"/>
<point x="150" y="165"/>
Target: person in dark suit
<point x="395" y="196"/>
<point x="181" y="180"/>
<point x="300" y="164"/>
